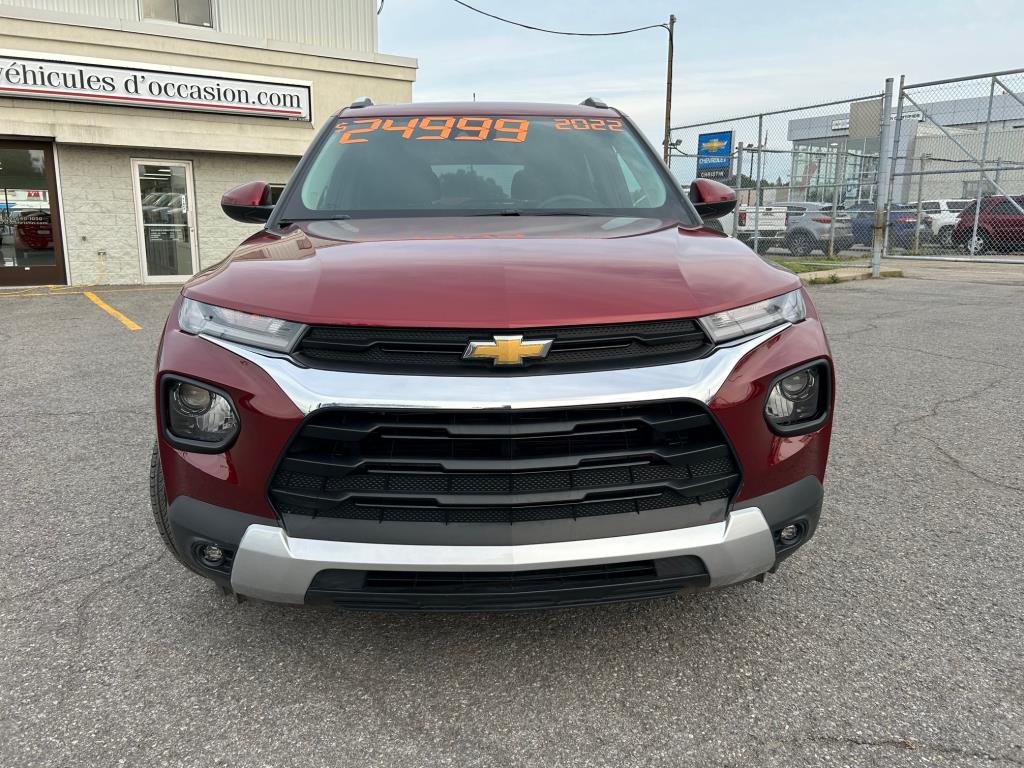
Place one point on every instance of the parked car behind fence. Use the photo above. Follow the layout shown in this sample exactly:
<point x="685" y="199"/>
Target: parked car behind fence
<point x="808" y="226"/>
<point x="902" y="224"/>
<point x="1000" y="225"/>
<point x="940" y="216"/>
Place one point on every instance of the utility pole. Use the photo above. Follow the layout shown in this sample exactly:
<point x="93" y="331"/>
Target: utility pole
<point x="668" y="86"/>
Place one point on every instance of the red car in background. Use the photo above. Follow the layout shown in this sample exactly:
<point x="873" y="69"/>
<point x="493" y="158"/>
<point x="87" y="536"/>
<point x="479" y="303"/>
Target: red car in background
<point x="1000" y="225"/>
<point x="487" y="356"/>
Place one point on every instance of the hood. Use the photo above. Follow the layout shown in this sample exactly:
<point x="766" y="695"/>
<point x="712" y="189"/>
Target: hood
<point x="488" y="272"/>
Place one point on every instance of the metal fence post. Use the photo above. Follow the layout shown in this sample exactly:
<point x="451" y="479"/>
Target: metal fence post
<point x="739" y="190"/>
<point x="840" y="152"/>
<point x="920" y="186"/>
<point x="757" y="190"/>
<point x="972" y="244"/>
<point x="885" y="161"/>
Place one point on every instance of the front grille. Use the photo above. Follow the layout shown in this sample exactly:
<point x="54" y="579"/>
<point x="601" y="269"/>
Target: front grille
<point x="504" y="467"/>
<point x="489" y="590"/>
<point x="440" y="350"/>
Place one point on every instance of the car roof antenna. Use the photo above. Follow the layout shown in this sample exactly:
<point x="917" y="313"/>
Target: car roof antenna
<point x="590" y="101"/>
<point x="362" y="101"/>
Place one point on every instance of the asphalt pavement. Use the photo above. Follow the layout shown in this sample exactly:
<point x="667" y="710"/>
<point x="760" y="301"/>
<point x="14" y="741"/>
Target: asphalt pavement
<point x="895" y="638"/>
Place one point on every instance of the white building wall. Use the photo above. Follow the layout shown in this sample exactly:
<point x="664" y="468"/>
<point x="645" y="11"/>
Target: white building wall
<point x="100" y="229"/>
<point x="1005" y="157"/>
<point x="342" y="25"/>
<point x="104" y="9"/>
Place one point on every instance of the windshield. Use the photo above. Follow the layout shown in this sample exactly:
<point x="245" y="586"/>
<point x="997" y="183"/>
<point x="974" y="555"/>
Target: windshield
<point x="475" y="165"/>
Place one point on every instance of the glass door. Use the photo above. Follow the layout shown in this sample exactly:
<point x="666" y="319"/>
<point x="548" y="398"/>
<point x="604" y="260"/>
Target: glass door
<point x="30" y="245"/>
<point x="164" y="207"/>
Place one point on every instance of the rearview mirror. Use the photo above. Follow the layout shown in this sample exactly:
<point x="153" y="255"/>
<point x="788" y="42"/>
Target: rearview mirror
<point x="251" y="203"/>
<point x="711" y="199"/>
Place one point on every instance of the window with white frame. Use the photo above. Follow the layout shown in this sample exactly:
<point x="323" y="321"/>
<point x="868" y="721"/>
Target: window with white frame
<point x="196" y="13"/>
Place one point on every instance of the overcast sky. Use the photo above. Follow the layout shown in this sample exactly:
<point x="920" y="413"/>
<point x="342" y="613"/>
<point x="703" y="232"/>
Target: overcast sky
<point x="731" y="58"/>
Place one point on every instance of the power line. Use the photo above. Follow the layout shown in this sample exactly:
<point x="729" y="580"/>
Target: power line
<point x="558" y="31"/>
<point x="670" y="28"/>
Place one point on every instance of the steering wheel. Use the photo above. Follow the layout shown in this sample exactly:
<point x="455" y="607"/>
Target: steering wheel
<point x="562" y="201"/>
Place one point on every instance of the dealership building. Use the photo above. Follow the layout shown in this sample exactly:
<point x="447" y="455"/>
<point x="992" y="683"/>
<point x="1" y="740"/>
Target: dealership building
<point x="944" y="143"/>
<point x="123" y="121"/>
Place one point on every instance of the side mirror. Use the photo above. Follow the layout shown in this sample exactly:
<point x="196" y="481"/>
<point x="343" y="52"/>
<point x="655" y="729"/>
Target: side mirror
<point x="711" y="199"/>
<point x="250" y="203"/>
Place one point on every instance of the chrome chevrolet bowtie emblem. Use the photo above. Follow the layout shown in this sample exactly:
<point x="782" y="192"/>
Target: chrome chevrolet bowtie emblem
<point x="507" y="350"/>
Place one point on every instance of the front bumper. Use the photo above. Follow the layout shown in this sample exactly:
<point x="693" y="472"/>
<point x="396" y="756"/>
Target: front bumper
<point x="223" y="498"/>
<point x="271" y="565"/>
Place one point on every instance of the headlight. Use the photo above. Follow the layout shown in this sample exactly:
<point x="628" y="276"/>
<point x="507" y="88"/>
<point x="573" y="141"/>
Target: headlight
<point x="798" y="400"/>
<point x="196" y="416"/>
<point x="233" y="325"/>
<point x="754" y="318"/>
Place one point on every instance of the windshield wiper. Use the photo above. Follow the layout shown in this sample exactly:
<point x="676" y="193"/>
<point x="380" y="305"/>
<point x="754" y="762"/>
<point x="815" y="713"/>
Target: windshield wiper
<point x="284" y="222"/>
<point x="541" y="212"/>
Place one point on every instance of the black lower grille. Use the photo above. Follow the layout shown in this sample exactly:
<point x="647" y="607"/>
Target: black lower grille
<point x="488" y="590"/>
<point x="503" y="467"/>
<point x="440" y="350"/>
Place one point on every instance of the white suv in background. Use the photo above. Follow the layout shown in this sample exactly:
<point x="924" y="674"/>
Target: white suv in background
<point x="941" y="216"/>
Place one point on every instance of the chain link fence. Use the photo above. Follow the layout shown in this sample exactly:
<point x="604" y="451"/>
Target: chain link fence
<point x="957" y="171"/>
<point x="806" y="179"/>
<point x="897" y="174"/>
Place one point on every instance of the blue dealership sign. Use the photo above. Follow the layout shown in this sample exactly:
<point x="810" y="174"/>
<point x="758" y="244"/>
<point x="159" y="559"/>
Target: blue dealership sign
<point x="714" y="153"/>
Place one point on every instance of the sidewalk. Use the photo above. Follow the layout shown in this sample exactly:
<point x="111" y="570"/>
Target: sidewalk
<point x="960" y="271"/>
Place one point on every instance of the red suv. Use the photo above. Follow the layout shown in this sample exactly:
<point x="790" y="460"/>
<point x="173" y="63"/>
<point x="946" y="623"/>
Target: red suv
<point x="1000" y="225"/>
<point x="486" y="356"/>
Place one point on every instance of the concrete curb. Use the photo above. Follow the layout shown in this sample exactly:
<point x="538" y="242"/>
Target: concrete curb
<point x="844" y="275"/>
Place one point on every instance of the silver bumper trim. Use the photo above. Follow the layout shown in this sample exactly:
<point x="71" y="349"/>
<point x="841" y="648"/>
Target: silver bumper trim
<point x="311" y="388"/>
<point x="270" y="565"/>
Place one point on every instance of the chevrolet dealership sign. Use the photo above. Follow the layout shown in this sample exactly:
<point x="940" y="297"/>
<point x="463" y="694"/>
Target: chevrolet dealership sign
<point x="130" y="85"/>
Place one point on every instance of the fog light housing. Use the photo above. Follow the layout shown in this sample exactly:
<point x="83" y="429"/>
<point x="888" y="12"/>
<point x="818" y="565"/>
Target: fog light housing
<point x="198" y="417"/>
<point x="789" y="534"/>
<point x="212" y="555"/>
<point x="798" y="400"/>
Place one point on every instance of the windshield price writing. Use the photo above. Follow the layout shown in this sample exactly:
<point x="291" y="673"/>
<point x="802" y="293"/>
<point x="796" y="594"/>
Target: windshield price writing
<point x="436" y="128"/>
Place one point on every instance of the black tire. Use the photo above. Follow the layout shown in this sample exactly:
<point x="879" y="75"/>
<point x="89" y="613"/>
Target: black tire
<point x="801" y="245"/>
<point x="945" y="237"/>
<point x="158" y="501"/>
<point x="763" y="247"/>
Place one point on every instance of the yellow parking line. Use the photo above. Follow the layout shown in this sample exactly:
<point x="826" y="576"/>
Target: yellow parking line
<point x="63" y="290"/>
<point x="130" y="324"/>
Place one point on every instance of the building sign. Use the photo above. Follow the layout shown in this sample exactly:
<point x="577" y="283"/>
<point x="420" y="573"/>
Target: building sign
<point x="714" y="155"/>
<point x="117" y="83"/>
<point x="843" y="123"/>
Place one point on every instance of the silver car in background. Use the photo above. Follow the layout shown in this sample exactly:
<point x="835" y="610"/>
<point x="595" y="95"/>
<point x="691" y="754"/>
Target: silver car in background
<point x="808" y="226"/>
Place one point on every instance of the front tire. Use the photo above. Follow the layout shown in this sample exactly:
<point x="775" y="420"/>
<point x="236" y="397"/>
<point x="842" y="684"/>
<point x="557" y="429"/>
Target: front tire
<point x="158" y="501"/>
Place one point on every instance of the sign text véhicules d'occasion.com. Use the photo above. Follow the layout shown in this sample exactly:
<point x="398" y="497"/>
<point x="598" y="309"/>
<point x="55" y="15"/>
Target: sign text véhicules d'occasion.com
<point x="132" y="86"/>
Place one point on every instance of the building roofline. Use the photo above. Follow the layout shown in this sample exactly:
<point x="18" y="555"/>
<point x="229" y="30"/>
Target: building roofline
<point x="200" y="35"/>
